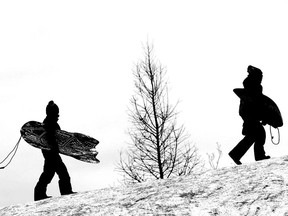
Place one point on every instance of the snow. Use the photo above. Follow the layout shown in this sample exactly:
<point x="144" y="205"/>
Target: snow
<point x="258" y="188"/>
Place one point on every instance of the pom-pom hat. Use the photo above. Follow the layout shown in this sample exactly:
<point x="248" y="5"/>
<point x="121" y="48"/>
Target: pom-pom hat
<point x="52" y="109"/>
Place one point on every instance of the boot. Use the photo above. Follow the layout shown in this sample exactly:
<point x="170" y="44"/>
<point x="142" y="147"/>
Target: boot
<point x="40" y="193"/>
<point x="263" y="158"/>
<point x="237" y="161"/>
<point x="65" y="187"/>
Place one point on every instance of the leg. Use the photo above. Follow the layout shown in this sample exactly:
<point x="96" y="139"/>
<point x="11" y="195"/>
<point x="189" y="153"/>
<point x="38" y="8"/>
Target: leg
<point x="64" y="178"/>
<point x="44" y="180"/>
<point x="241" y="148"/>
<point x="259" y="144"/>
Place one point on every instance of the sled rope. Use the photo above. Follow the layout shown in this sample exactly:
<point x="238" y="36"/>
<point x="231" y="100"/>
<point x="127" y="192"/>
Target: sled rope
<point x="272" y="137"/>
<point x="13" y="150"/>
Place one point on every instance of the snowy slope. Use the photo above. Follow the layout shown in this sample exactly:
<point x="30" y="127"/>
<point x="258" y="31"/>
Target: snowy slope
<point x="259" y="188"/>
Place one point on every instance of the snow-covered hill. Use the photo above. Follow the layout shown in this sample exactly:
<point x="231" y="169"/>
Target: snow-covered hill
<point x="259" y="188"/>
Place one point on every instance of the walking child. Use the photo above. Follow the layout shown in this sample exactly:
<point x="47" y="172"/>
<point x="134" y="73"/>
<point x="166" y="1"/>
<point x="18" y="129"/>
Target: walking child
<point x="251" y="112"/>
<point x="52" y="160"/>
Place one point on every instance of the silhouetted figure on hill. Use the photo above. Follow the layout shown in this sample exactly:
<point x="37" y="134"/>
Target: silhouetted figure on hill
<point x="250" y="111"/>
<point x="53" y="162"/>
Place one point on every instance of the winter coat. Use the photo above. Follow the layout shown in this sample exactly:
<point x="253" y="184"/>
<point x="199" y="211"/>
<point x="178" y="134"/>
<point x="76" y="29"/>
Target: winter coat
<point x="250" y="107"/>
<point x="51" y="126"/>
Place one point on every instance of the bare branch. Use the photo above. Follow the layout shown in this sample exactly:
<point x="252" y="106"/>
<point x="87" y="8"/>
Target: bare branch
<point x="211" y="158"/>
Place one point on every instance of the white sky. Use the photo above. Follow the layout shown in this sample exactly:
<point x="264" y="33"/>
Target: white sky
<point x="81" y="55"/>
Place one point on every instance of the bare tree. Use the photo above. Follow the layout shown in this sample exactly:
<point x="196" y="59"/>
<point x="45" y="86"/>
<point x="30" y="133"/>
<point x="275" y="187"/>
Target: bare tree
<point x="160" y="149"/>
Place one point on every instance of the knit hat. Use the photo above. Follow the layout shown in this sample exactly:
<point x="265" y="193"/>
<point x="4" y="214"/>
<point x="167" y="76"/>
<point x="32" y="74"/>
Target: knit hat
<point x="52" y="109"/>
<point x="254" y="71"/>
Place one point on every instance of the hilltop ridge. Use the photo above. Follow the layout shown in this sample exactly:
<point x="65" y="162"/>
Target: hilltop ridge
<point x="258" y="188"/>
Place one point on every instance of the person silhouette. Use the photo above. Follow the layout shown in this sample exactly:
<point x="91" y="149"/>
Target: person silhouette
<point x="250" y="111"/>
<point x="52" y="160"/>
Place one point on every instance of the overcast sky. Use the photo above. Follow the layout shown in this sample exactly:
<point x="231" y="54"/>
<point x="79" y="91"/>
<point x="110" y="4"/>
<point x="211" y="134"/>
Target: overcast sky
<point x="81" y="54"/>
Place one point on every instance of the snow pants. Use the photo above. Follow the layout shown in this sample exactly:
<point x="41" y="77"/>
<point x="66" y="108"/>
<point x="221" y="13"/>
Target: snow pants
<point x="254" y="133"/>
<point x="52" y="164"/>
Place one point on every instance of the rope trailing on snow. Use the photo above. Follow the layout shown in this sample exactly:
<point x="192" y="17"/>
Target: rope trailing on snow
<point x="14" y="150"/>
<point x="272" y="137"/>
